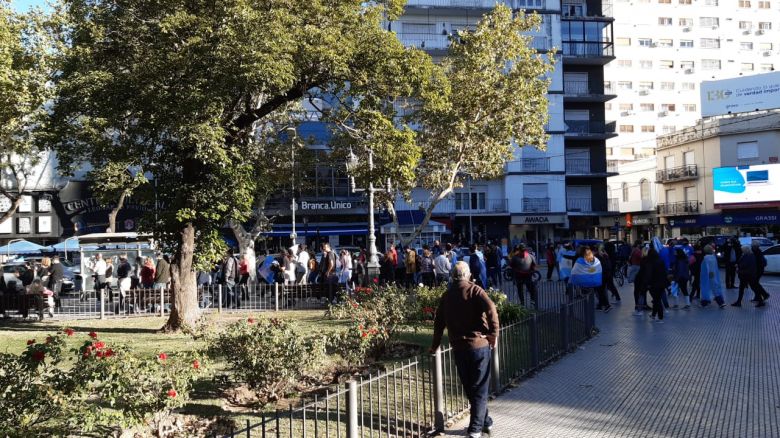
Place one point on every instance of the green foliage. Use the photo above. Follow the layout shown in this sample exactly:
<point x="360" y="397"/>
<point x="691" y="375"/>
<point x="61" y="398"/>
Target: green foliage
<point x="96" y="388"/>
<point x="427" y="300"/>
<point x="376" y="316"/>
<point x="508" y="312"/>
<point x="267" y="354"/>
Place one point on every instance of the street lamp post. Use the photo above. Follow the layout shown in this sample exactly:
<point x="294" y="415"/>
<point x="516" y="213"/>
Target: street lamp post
<point x="293" y="206"/>
<point x="373" y="256"/>
<point x="8" y="247"/>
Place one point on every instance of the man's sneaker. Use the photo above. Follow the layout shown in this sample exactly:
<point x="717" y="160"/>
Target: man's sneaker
<point x="475" y="435"/>
<point x="487" y="429"/>
<point x="638" y="313"/>
<point x="607" y="309"/>
<point x="736" y="304"/>
<point x="761" y="304"/>
<point x="659" y="321"/>
<point x="723" y="306"/>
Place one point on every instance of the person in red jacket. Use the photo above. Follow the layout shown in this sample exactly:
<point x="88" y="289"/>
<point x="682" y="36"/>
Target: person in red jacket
<point x="147" y="274"/>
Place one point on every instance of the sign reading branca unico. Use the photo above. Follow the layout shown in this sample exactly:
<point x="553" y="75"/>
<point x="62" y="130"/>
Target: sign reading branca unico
<point x="330" y="205"/>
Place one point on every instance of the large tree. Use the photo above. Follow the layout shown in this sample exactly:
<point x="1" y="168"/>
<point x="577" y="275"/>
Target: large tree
<point x="490" y="100"/>
<point x="112" y="183"/>
<point x="182" y="86"/>
<point x="25" y="71"/>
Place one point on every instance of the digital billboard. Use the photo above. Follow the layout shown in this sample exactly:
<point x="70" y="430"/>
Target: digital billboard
<point x="755" y="184"/>
<point x="742" y="94"/>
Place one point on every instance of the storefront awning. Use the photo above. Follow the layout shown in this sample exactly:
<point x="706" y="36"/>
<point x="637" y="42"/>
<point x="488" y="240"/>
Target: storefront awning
<point x="309" y="231"/>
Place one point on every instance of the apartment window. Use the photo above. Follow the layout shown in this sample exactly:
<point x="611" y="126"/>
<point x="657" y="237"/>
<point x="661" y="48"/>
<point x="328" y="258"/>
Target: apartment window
<point x="670" y="197"/>
<point x="624" y="63"/>
<point x="686" y="65"/>
<point x="645" y="42"/>
<point x="667" y="64"/>
<point x="626" y="107"/>
<point x="764" y="46"/>
<point x="668" y="129"/>
<point x="665" y="43"/>
<point x="745" y="25"/>
<point x="689" y="107"/>
<point x="627" y="152"/>
<point x="670" y="107"/>
<point x="685" y="2"/>
<point x="608" y="106"/>
<point x="667" y="86"/>
<point x="622" y="41"/>
<point x="646" y="65"/>
<point x="747" y="150"/>
<point x="535" y="4"/>
<point x="688" y="86"/>
<point x="710" y="64"/>
<point x="709" y="43"/>
<point x="765" y="25"/>
<point x="648" y="128"/>
<point x="644" y="189"/>
<point x="609" y="151"/>
<point x="690" y="194"/>
<point x="664" y="21"/>
<point x="647" y="107"/>
<point x="745" y="45"/>
<point x="685" y="22"/>
<point x="646" y="85"/>
<point x="665" y="2"/>
<point x="625" y="85"/>
<point x="624" y="190"/>
<point x="763" y="5"/>
<point x="709" y="21"/>
<point x="710" y="2"/>
<point x="767" y="67"/>
<point x="686" y="44"/>
<point x="746" y="66"/>
<point x="744" y="3"/>
<point x="627" y="128"/>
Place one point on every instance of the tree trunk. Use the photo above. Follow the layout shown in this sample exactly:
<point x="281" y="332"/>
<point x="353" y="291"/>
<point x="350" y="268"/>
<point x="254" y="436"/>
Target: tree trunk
<point x="14" y="206"/>
<point x="405" y="240"/>
<point x="114" y="212"/>
<point x="246" y="243"/>
<point x="184" y="306"/>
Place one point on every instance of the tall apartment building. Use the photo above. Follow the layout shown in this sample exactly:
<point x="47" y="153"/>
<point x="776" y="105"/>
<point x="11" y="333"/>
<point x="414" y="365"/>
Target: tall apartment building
<point x="666" y="48"/>
<point x="544" y="195"/>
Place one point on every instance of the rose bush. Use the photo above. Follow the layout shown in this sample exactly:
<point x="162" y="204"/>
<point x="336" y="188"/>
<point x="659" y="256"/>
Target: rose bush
<point x="267" y="354"/>
<point x="95" y="388"/>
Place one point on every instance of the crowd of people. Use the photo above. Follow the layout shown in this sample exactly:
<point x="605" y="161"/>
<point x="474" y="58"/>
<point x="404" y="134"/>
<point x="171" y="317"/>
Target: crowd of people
<point x="43" y="279"/>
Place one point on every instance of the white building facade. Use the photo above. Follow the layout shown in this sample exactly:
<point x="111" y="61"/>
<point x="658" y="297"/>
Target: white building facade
<point x="666" y="48"/>
<point x="635" y="190"/>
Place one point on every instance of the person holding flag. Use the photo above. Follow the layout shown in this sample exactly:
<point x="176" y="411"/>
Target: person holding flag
<point x="586" y="273"/>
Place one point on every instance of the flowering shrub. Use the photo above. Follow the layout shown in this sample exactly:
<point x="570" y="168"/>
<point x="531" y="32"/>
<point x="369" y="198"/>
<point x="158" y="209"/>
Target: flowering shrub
<point x="95" y="388"/>
<point x="508" y="312"/>
<point x="267" y="354"/>
<point x="426" y="300"/>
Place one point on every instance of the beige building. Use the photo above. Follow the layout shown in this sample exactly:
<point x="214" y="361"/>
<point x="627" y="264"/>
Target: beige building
<point x="685" y="163"/>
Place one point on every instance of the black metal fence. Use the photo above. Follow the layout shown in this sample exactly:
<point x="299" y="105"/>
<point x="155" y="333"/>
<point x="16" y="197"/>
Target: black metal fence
<point x="421" y="395"/>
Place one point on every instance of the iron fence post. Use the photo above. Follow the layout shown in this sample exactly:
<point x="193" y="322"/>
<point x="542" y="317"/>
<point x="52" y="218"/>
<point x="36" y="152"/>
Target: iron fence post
<point x="352" y="409"/>
<point x="564" y="315"/>
<point x="219" y="298"/>
<point x="162" y="302"/>
<point x="495" y="369"/>
<point x="102" y="304"/>
<point x="534" y="340"/>
<point x="439" y="415"/>
<point x="591" y="314"/>
<point x="276" y="297"/>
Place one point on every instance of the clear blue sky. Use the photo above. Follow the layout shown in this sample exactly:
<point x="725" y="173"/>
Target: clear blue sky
<point x="23" y="5"/>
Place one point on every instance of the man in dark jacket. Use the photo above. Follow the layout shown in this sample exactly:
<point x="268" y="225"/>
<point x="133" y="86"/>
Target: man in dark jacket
<point x="748" y="276"/>
<point x="731" y="256"/>
<point x="227" y="280"/>
<point x="472" y="324"/>
<point x="56" y="276"/>
<point x="653" y="276"/>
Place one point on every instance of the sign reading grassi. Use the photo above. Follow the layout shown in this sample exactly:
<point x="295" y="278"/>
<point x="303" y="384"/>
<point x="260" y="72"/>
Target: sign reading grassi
<point x="746" y="184"/>
<point x="737" y="95"/>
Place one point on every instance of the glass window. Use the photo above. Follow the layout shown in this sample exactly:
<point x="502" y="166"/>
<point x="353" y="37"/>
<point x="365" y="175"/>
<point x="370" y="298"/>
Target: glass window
<point x="624" y="63"/>
<point x="644" y="189"/>
<point x="627" y="128"/>
<point x="764" y="5"/>
<point x="648" y="128"/>
<point x="668" y="86"/>
<point x="686" y="44"/>
<point x="665" y="43"/>
<point x="668" y="129"/>
<point x="667" y="64"/>
<point x="710" y="2"/>
<point x="747" y="150"/>
<point x="745" y="25"/>
<point x="685" y="2"/>
<point x="646" y="65"/>
<point x="764" y="46"/>
<point x="647" y="107"/>
<point x="709" y="21"/>
<point x="709" y="43"/>
<point x="626" y="107"/>
<point x="710" y="64"/>
<point x="765" y="25"/>
<point x="624" y="190"/>
<point x="623" y="41"/>
<point x="746" y="66"/>
<point x="670" y="107"/>
<point x="689" y="86"/>
<point x="689" y="107"/>
<point x="665" y="2"/>
<point x="645" y="42"/>
<point x="744" y="3"/>
<point x="746" y="45"/>
<point x="646" y="85"/>
<point x="625" y="85"/>
<point x="664" y="21"/>
<point x="685" y="22"/>
<point x="608" y="106"/>
<point x="767" y="67"/>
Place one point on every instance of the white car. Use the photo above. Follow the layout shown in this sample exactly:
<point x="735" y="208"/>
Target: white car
<point x="772" y="255"/>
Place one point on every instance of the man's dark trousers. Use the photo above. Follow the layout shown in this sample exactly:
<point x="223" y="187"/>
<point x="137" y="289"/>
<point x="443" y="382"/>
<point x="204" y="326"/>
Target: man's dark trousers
<point x="474" y="372"/>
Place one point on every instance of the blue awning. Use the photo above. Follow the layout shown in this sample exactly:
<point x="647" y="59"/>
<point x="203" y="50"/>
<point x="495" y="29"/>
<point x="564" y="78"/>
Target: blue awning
<point x="67" y="245"/>
<point x="410" y="217"/>
<point x="21" y="247"/>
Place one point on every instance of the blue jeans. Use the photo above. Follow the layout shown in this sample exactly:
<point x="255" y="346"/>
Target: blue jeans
<point x="474" y="372"/>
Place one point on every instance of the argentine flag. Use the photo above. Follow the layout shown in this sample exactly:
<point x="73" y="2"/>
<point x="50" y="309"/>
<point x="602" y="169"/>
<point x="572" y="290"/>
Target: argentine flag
<point x="586" y="274"/>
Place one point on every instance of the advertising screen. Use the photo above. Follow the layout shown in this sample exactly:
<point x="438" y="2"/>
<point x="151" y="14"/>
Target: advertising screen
<point x="746" y="93"/>
<point x="758" y="183"/>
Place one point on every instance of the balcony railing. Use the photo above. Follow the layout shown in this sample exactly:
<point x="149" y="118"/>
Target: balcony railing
<point x="588" y="49"/>
<point x="679" y="208"/>
<point x="589" y="127"/>
<point x="612" y="167"/>
<point x="578" y="166"/>
<point x="573" y="10"/>
<point x="441" y="41"/>
<point x="579" y="204"/>
<point x="536" y="205"/>
<point x="535" y="164"/>
<point x="461" y="206"/>
<point x="689" y="171"/>
<point x="613" y="205"/>
<point x="577" y="88"/>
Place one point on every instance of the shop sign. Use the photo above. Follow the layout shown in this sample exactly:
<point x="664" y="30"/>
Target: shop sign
<point x="629" y="222"/>
<point x="332" y="205"/>
<point x="642" y="221"/>
<point x="682" y="222"/>
<point x="538" y="220"/>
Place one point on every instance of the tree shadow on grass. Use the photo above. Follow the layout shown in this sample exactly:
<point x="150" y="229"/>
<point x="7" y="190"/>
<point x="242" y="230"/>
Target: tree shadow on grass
<point x="29" y="326"/>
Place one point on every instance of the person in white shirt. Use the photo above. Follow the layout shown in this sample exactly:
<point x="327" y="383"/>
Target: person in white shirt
<point x="442" y="265"/>
<point x="99" y="268"/>
<point x="303" y="264"/>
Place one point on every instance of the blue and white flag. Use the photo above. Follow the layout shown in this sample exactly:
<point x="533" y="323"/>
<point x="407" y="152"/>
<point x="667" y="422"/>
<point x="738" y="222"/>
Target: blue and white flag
<point x="264" y="271"/>
<point x="586" y="274"/>
<point x="564" y="263"/>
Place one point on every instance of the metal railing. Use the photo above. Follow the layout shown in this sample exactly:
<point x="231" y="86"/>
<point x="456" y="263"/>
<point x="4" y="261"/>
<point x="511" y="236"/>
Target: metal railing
<point x="536" y="205"/>
<point x="464" y="205"/>
<point x="584" y="49"/>
<point x="442" y="40"/>
<point x="586" y="127"/>
<point x="679" y="208"/>
<point x="578" y="166"/>
<point x="417" y="397"/>
<point x="576" y="87"/>
<point x="535" y="164"/>
<point x="579" y="204"/>
<point x="688" y="171"/>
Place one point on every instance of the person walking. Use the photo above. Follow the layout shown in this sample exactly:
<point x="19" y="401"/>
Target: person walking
<point x="747" y="269"/>
<point x="710" y="279"/>
<point x="162" y="273"/>
<point x="123" y="272"/>
<point x="760" y="264"/>
<point x="523" y="265"/>
<point x="227" y="278"/>
<point x="410" y="262"/>
<point x="681" y="274"/>
<point x="327" y="267"/>
<point x="477" y="266"/>
<point x="442" y="265"/>
<point x="731" y="254"/>
<point x="493" y="263"/>
<point x="472" y="324"/>
<point x="345" y="276"/>
<point x="654" y="275"/>
<point x="147" y="273"/>
<point x="607" y="273"/>
<point x="549" y="256"/>
<point x="302" y="265"/>
<point x="587" y="274"/>
<point x="695" y="262"/>
<point x="387" y="269"/>
<point x="56" y="277"/>
<point x="426" y="268"/>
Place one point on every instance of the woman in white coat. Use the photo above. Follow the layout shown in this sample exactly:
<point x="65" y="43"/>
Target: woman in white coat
<point x="345" y="259"/>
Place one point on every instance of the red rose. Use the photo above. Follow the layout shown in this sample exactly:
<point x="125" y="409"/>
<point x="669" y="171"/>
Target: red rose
<point x="196" y="364"/>
<point x="99" y="345"/>
<point x="172" y="393"/>
<point x="38" y="356"/>
<point x="99" y="354"/>
<point x="376" y="280"/>
<point x="354" y="305"/>
<point x="363" y="334"/>
<point x="49" y="339"/>
<point x="30" y="341"/>
<point x="93" y="335"/>
<point x="250" y="320"/>
<point x="85" y="354"/>
<point x="108" y="353"/>
<point x="69" y="331"/>
<point x="162" y="356"/>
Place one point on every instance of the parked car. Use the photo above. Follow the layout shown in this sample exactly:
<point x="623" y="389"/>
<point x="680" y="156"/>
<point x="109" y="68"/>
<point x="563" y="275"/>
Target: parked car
<point x="763" y="242"/>
<point x="772" y="255"/>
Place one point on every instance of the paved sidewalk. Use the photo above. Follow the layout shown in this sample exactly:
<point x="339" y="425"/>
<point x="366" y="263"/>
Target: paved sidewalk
<point x="703" y="373"/>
